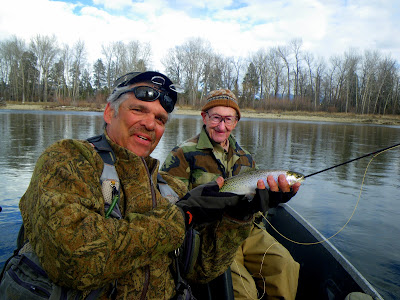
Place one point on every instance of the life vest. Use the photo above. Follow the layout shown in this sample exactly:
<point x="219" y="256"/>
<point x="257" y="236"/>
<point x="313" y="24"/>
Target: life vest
<point x="109" y="180"/>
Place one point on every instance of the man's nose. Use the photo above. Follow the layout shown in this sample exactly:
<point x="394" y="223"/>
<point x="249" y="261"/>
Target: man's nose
<point x="222" y="125"/>
<point x="149" y="121"/>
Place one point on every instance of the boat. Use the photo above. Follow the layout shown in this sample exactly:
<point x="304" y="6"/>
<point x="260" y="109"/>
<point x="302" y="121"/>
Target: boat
<point x="325" y="274"/>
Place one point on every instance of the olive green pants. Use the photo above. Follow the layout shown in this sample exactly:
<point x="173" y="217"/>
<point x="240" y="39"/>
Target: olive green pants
<point x="264" y="269"/>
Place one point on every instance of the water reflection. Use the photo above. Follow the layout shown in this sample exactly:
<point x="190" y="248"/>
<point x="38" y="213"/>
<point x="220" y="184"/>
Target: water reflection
<point x="327" y="200"/>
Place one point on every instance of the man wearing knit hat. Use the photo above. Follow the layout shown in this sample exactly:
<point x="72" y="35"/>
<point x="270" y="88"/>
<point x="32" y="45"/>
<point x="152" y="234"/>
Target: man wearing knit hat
<point x="261" y="265"/>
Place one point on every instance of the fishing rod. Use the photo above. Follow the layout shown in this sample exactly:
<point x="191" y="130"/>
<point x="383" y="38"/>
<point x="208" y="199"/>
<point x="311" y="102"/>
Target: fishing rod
<point x="349" y="161"/>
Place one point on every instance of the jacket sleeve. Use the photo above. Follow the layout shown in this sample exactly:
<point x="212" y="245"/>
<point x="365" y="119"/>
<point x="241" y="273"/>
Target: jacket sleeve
<point x="63" y="213"/>
<point x="177" y="165"/>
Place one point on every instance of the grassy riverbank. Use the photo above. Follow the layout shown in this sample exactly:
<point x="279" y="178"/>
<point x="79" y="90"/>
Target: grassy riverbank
<point x="302" y="115"/>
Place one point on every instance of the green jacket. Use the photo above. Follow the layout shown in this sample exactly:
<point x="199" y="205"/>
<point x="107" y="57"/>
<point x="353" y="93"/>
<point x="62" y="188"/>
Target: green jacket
<point x="199" y="160"/>
<point x="63" y="214"/>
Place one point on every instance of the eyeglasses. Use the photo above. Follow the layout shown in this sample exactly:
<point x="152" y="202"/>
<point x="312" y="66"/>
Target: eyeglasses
<point x="150" y="94"/>
<point x="216" y="119"/>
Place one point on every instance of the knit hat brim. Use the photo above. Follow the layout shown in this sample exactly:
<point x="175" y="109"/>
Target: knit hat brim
<point x="222" y="102"/>
<point x="221" y="97"/>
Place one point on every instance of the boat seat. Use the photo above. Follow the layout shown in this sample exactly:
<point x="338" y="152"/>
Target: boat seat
<point x="358" y="296"/>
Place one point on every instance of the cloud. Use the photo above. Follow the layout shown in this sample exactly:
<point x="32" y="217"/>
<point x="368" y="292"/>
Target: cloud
<point x="234" y="28"/>
<point x="113" y="4"/>
<point x="28" y="18"/>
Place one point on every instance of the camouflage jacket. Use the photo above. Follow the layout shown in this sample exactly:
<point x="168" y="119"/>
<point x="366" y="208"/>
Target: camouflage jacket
<point x="63" y="214"/>
<point x="199" y="160"/>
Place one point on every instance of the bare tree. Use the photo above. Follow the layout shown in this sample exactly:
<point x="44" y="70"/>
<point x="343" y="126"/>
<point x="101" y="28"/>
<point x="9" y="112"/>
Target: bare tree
<point x="12" y="53"/>
<point x="228" y="72"/>
<point x="339" y="80"/>
<point x="276" y="66"/>
<point x="396" y="94"/>
<point x="284" y="54"/>
<point x="351" y="61"/>
<point x="329" y="95"/>
<point x="259" y="60"/>
<point x="108" y="52"/>
<point x="119" y="59"/>
<point x="132" y="56"/>
<point x="145" y="54"/>
<point x="66" y="61"/>
<point x="194" y="51"/>
<point x="385" y="82"/>
<point x="237" y="65"/>
<point x="319" y="70"/>
<point x="173" y="64"/>
<point x="211" y="75"/>
<point x="45" y="48"/>
<point x="295" y="46"/>
<point x="309" y="59"/>
<point x="369" y="71"/>
<point x="79" y="54"/>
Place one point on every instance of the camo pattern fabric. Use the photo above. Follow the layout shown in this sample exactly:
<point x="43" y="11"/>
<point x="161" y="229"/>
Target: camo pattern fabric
<point x="63" y="214"/>
<point x="194" y="161"/>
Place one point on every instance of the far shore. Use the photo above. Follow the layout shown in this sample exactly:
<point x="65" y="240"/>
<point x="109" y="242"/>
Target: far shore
<point x="299" y="116"/>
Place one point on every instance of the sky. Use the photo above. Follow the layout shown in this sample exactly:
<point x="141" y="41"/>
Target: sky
<point x="235" y="28"/>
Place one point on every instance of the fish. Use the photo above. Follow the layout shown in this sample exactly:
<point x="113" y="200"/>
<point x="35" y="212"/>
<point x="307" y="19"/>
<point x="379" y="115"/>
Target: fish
<point x="246" y="183"/>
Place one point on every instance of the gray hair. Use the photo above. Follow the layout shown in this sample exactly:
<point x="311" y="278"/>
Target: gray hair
<point x="116" y="99"/>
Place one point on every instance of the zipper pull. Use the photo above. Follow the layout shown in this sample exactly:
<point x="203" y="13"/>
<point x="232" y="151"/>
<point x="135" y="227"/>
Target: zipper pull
<point x="114" y="197"/>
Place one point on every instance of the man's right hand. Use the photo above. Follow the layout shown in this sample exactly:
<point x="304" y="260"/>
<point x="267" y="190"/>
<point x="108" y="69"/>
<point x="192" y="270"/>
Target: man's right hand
<point x="206" y="204"/>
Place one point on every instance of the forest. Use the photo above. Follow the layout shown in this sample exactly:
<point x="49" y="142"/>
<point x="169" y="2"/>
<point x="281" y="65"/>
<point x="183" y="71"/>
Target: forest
<point x="280" y="78"/>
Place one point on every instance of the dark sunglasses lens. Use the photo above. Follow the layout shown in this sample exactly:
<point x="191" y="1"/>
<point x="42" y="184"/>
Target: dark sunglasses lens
<point x="167" y="103"/>
<point x="145" y="93"/>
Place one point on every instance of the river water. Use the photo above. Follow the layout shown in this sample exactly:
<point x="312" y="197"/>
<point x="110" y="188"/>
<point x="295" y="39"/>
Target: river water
<point x="370" y="240"/>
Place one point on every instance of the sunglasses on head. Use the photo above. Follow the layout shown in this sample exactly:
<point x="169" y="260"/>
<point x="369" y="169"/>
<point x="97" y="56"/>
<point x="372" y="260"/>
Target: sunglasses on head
<point x="150" y="94"/>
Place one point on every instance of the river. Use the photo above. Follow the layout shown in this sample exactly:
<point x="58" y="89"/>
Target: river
<point x="369" y="241"/>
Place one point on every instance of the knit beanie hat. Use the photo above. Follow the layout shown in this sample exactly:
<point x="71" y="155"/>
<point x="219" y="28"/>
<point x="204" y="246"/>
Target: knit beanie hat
<point x="222" y="97"/>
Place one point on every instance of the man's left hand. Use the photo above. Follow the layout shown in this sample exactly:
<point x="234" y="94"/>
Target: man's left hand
<point x="282" y="184"/>
<point x="279" y="192"/>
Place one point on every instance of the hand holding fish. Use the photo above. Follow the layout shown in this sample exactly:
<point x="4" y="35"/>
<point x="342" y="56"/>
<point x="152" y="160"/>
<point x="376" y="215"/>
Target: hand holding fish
<point x="280" y="192"/>
<point x="282" y="185"/>
<point x="246" y="183"/>
<point x="206" y="203"/>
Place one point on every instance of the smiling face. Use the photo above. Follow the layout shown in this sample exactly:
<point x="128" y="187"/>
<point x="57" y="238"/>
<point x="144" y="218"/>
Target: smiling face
<point x="138" y="126"/>
<point x="220" y="132"/>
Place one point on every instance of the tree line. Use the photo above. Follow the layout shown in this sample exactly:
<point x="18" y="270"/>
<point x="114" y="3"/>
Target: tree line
<point x="283" y="77"/>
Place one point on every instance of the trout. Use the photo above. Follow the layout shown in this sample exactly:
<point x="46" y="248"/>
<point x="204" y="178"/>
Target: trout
<point x="246" y="183"/>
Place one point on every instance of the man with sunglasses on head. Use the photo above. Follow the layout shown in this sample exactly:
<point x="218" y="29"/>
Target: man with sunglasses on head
<point x="128" y="249"/>
<point x="262" y="268"/>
